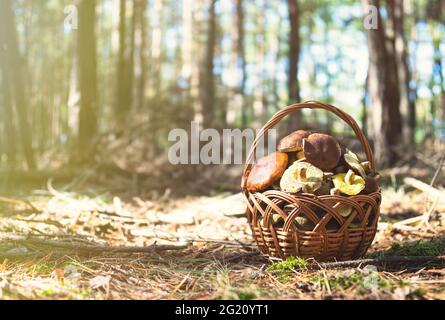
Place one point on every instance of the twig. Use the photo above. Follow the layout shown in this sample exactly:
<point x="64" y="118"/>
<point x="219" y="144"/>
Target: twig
<point x="428" y="212"/>
<point x="428" y="189"/>
<point x="55" y="193"/>
<point x="422" y="186"/>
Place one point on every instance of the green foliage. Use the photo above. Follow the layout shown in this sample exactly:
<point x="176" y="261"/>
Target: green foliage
<point x="435" y="247"/>
<point x="289" y="264"/>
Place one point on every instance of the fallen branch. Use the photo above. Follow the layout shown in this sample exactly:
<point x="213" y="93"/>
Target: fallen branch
<point x="78" y="247"/>
<point x="424" y="187"/>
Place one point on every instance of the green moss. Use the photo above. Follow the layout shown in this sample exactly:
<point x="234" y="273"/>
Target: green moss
<point x="42" y="268"/>
<point x="289" y="264"/>
<point x="434" y="247"/>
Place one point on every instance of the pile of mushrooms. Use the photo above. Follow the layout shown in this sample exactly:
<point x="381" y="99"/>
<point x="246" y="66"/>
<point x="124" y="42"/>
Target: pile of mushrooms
<point x="313" y="163"/>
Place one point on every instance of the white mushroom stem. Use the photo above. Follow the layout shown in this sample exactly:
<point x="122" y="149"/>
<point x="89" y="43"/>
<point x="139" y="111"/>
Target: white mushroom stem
<point x="349" y="177"/>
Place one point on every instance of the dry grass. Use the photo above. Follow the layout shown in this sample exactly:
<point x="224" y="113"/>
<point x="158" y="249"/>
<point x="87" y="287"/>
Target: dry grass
<point x="46" y="251"/>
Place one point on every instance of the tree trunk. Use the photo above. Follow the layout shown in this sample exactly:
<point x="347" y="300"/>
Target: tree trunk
<point x="12" y="59"/>
<point x="125" y="63"/>
<point x="187" y="41"/>
<point x="7" y="113"/>
<point x="384" y="93"/>
<point x="237" y="66"/>
<point x="259" y="111"/>
<point x="87" y="74"/>
<point x="157" y="50"/>
<point x="407" y="101"/>
<point x="364" y="116"/>
<point x="241" y="53"/>
<point x="207" y="80"/>
<point x="141" y="12"/>
<point x="294" y="58"/>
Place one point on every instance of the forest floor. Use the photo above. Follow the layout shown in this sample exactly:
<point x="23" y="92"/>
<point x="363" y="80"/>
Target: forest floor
<point x="57" y="242"/>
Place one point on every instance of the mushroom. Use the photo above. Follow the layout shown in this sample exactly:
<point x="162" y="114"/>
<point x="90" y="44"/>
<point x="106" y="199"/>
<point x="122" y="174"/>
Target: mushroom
<point x="277" y="221"/>
<point x="304" y="223"/>
<point x="354" y="163"/>
<point x="324" y="189"/>
<point x="326" y="185"/>
<point x="301" y="176"/>
<point x="349" y="183"/>
<point x="293" y="142"/>
<point x="301" y="221"/>
<point x="353" y="225"/>
<point x="322" y="150"/>
<point x="344" y="210"/>
<point x="266" y="171"/>
<point x="372" y="183"/>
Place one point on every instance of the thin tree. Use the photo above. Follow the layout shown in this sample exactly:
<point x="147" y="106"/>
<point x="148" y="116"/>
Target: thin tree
<point x="294" y="51"/>
<point x="237" y="68"/>
<point x="13" y="67"/>
<point x="125" y="64"/>
<point x="142" y="25"/>
<point x="86" y="45"/>
<point x="207" y="80"/>
<point x="241" y="53"/>
<point x="293" y="60"/>
<point x="384" y="92"/>
<point x="7" y="112"/>
<point x="407" y="101"/>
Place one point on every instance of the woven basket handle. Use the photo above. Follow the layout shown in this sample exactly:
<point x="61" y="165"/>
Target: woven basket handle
<point x="309" y="105"/>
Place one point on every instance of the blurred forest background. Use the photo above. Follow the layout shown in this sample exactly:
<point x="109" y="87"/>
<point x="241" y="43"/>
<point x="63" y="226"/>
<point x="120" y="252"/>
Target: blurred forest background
<point x="85" y="81"/>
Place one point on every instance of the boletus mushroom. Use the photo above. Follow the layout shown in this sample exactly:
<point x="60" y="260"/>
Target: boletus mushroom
<point x="372" y="183"/>
<point x="266" y="171"/>
<point x="301" y="176"/>
<point x="293" y="142"/>
<point x="349" y="183"/>
<point x="322" y="150"/>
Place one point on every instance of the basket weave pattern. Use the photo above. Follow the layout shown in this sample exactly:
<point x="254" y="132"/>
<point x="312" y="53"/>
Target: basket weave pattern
<point x="350" y="237"/>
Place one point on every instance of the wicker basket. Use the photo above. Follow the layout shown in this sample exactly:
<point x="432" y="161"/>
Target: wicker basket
<point x="350" y="240"/>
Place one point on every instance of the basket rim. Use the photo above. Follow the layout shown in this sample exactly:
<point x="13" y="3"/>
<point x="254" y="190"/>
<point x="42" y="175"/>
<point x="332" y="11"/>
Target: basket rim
<point x="316" y="197"/>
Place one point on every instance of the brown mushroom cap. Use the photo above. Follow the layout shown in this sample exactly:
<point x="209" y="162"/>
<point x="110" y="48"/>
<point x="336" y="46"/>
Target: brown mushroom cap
<point x="266" y="171"/>
<point x="293" y="142"/>
<point x="322" y="151"/>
